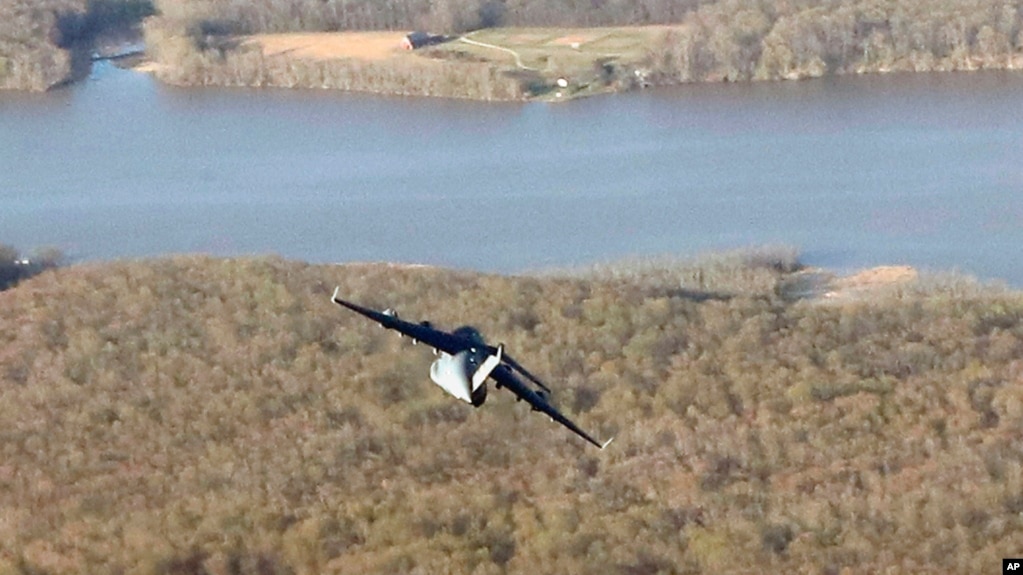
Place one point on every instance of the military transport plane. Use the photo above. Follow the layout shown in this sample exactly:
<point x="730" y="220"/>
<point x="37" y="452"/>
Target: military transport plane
<point x="466" y="361"/>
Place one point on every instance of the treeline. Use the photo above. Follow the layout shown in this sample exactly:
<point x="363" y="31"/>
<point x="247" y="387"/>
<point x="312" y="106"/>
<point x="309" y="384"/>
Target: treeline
<point x="441" y="16"/>
<point x="195" y="415"/>
<point x="44" y="43"/>
<point x="33" y="54"/>
<point x="751" y="39"/>
<point x="15" y="267"/>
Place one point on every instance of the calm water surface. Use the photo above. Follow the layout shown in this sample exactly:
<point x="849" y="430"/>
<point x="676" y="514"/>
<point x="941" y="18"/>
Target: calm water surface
<point x="924" y="170"/>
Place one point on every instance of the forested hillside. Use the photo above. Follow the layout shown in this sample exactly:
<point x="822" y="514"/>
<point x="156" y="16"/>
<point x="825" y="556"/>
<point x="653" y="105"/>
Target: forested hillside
<point x="32" y="54"/>
<point x="44" y="43"/>
<point x="771" y="40"/>
<point x="194" y="415"/>
<point x="449" y="16"/>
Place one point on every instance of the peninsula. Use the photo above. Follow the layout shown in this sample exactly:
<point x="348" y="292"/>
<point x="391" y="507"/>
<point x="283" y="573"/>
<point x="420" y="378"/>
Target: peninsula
<point x="500" y="50"/>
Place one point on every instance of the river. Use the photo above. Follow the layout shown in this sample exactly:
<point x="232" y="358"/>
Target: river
<point x="925" y="170"/>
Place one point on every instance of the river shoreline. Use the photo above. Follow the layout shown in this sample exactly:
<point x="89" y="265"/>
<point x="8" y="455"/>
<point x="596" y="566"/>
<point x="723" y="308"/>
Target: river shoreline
<point x="563" y="64"/>
<point x="506" y="64"/>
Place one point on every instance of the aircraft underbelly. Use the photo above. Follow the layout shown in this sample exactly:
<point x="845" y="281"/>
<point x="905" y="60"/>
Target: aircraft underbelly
<point x="453" y="373"/>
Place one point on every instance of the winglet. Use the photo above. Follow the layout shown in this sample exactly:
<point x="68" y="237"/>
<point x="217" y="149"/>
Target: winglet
<point x="333" y="298"/>
<point x="606" y="443"/>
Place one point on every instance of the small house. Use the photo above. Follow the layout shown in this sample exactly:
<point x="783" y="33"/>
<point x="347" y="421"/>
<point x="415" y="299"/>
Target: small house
<point x="418" y="39"/>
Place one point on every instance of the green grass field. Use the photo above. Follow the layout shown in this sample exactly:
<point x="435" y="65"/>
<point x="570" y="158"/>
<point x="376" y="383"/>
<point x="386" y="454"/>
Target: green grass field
<point x="591" y="60"/>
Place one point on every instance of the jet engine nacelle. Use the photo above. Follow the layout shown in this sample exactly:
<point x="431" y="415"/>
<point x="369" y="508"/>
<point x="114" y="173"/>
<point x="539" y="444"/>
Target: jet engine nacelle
<point x="390" y="312"/>
<point x="544" y="397"/>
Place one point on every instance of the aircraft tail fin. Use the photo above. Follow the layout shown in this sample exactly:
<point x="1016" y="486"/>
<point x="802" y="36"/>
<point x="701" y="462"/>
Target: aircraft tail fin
<point x="488" y="365"/>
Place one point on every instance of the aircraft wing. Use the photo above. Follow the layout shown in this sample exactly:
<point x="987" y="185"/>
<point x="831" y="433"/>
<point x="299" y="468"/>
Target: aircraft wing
<point x="434" y="338"/>
<point x="518" y="367"/>
<point x="504" y="377"/>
